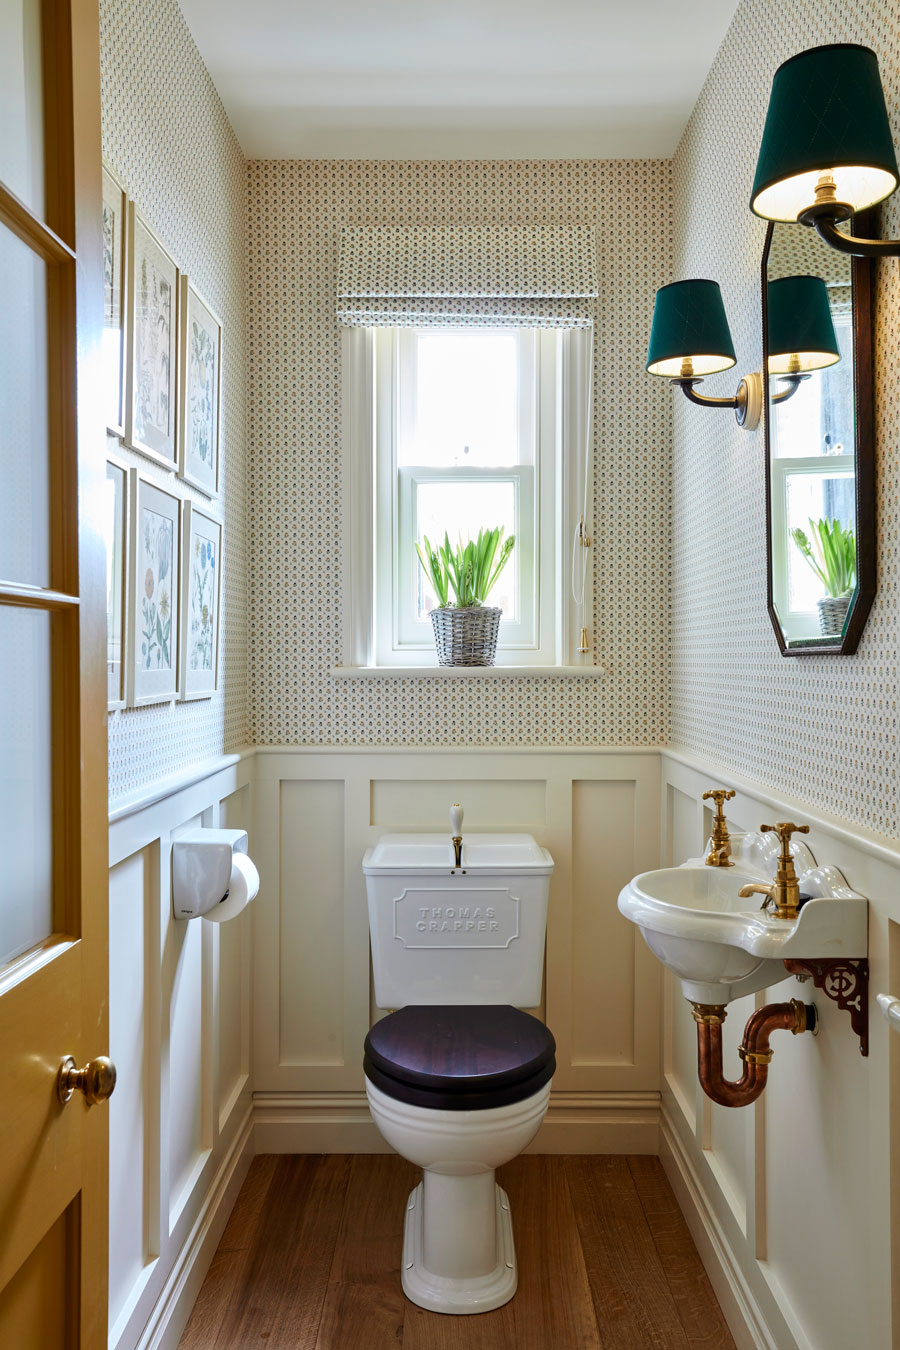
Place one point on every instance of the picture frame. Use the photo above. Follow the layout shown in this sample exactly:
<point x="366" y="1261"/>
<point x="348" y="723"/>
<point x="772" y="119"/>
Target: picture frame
<point x="151" y="408"/>
<point x="200" y="603"/>
<point x="116" y="534"/>
<point x="200" y="385"/>
<point x="154" y="612"/>
<point x="115" y="272"/>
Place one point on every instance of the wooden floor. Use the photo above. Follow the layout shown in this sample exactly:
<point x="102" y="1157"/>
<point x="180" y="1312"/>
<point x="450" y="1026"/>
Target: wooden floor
<point x="311" y="1260"/>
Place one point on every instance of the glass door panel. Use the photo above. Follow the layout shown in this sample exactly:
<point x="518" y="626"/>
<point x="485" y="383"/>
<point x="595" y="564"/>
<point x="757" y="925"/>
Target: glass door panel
<point x="26" y="784"/>
<point x="24" y="414"/>
<point x="22" y="102"/>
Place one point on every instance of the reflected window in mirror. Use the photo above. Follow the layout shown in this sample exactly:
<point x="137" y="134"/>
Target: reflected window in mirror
<point x="821" y="548"/>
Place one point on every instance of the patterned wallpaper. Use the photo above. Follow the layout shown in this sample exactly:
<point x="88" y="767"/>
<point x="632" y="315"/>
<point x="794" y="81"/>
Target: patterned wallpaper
<point x="823" y="729"/>
<point x="297" y="210"/>
<point x="166" y="134"/>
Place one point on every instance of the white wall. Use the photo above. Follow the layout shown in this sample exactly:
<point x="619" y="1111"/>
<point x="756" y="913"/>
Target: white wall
<point x="180" y="1118"/>
<point x="817" y="728"/>
<point x="166" y="135"/>
<point x="789" y="1199"/>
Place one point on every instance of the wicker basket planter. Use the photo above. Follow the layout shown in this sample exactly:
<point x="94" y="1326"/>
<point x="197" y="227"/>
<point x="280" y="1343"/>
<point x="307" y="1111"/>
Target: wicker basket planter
<point x="833" y="613"/>
<point x="466" y="637"/>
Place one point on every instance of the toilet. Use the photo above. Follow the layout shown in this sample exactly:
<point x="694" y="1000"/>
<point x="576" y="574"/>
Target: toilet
<point x="458" y="1076"/>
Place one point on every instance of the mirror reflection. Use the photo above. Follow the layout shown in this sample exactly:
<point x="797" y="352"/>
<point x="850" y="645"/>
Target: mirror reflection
<point x="811" y="435"/>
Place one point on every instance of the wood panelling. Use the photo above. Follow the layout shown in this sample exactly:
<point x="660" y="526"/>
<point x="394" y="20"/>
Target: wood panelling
<point x="490" y="804"/>
<point x="180" y="1116"/>
<point x="189" y="1136"/>
<point x="311" y="931"/>
<point x="133" y="1110"/>
<point x="39" y="1305"/>
<point x="311" y="1261"/>
<point x="603" y="942"/>
<point x="789" y="1199"/>
<point x="596" y="812"/>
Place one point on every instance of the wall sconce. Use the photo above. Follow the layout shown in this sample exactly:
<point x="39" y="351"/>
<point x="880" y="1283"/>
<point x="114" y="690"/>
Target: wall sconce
<point x="827" y="149"/>
<point x="690" y="338"/>
<point x="800" y="331"/>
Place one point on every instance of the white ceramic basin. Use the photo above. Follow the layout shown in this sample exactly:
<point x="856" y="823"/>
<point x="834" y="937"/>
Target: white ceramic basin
<point x="722" y="945"/>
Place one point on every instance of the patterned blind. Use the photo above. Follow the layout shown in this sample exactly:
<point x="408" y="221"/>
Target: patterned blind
<point x="541" y="276"/>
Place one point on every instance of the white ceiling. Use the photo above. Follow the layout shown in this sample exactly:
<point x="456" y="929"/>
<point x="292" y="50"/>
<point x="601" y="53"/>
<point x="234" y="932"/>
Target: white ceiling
<point x="411" y="79"/>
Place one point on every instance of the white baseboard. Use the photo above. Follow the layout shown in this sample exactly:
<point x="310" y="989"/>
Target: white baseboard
<point x="339" y="1122"/>
<point x="178" y="1295"/>
<point x="739" y="1305"/>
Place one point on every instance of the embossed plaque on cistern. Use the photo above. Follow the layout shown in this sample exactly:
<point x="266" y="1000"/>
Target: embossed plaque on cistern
<point x="480" y="918"/>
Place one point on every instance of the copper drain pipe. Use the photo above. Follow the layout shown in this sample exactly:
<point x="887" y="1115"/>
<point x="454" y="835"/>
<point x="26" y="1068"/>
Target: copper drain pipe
<point x="754" y="1051"/>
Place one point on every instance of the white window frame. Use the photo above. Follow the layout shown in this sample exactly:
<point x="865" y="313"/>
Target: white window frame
<point x="798" y="624"/>
<point x="369" y="585"/>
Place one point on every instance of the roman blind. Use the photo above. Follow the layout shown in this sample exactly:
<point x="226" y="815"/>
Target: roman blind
<point x="539" y="276"/>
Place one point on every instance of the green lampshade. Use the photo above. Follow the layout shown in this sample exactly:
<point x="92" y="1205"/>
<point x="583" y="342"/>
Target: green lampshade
<point x="689" y="324"/>
<point x="826" y="116"/>
<point x="800" y="330"/>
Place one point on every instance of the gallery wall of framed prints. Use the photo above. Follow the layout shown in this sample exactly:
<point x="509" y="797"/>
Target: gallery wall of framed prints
<point x="162" y="377"/>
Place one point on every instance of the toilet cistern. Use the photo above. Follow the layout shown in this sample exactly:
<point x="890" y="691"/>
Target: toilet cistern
<point x="456" y="820"/>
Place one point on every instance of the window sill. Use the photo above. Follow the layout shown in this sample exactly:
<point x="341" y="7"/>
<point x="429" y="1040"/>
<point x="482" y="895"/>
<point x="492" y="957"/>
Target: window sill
<point x="461" y="672"/>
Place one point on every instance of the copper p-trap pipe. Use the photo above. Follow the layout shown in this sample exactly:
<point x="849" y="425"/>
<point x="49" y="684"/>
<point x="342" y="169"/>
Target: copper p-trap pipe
<point x="754" y="1050"/>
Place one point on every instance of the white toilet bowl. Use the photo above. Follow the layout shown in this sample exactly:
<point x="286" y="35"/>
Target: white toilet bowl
<point x="458" y="1076"/>
<point x="458" y="1252"/>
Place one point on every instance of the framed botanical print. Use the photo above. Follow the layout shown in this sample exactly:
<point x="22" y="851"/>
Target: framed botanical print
<point x="201" y="591"/>
<point x="155" y="593"/>
<point x="199" y="391"/>
<point x="115" y="238"/>
<point x="150" y="404"/>
<point x="116" y="516"/>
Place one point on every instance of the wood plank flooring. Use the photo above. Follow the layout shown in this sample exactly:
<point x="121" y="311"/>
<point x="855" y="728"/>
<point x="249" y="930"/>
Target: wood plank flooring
<point x="310" y="1260"/>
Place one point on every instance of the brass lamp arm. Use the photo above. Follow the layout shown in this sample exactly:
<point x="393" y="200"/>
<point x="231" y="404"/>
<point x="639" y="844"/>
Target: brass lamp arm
<point x="704" y="400"/>
<point x="793" y="383"/>
<point x="824" y="216"/>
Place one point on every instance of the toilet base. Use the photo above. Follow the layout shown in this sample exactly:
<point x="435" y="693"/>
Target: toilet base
<point x="440" y="1293"/>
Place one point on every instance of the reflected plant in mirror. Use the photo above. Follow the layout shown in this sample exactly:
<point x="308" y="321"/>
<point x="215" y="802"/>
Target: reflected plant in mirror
<point x="830" y="551"/>
<point x="820" y="497"/>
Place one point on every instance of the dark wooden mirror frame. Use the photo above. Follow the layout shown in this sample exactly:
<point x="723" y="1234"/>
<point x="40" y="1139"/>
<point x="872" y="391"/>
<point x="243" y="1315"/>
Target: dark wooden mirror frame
<point x="861" y="278"/>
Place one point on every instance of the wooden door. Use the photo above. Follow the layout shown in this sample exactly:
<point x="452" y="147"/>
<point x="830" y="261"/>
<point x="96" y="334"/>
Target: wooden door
<point x="53" y="809"/>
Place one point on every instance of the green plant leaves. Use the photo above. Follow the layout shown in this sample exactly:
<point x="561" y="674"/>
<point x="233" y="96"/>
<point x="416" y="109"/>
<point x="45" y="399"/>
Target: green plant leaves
<point x="831" y="553"/>
<point x="469" y="569"/>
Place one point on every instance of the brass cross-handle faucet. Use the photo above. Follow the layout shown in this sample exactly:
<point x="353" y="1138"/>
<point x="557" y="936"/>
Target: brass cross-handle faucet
<point x="784" y="891"/>
<point x="719" y="854"/>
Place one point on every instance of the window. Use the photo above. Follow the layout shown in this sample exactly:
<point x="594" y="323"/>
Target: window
<point x="455" y="429"/>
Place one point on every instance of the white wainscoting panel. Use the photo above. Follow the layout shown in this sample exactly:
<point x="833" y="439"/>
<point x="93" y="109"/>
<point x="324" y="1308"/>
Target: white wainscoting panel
<point x="133" y="1111"/>
<point x="180" y="1118"/>
<point x="789" y="1199"/>
<point x="315" y="814"/>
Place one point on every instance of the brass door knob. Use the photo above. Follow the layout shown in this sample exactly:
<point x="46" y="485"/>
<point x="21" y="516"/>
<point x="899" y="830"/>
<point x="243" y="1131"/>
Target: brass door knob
<point x="96" y="1080"/>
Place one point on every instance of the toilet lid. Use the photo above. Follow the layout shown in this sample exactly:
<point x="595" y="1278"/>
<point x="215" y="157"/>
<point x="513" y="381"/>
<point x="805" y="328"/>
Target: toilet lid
<point x="460" y="1057"/>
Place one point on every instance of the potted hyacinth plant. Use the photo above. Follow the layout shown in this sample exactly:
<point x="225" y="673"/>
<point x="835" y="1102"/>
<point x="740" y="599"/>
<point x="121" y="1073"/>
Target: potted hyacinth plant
<point x="830" y="550"/>
<point x="465" y="628"/>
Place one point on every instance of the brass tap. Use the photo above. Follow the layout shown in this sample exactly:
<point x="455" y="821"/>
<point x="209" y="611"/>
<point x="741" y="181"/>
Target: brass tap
<point x="784" y="891"/>
<point x="719" y="854"/>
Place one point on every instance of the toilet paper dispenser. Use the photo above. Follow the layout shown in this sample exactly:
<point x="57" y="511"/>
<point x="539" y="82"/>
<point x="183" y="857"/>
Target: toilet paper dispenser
<point x="212" y="875"/>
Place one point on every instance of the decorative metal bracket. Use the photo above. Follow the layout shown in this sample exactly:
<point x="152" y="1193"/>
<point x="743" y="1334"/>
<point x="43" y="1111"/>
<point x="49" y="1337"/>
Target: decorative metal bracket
<point x="847" y="984"/>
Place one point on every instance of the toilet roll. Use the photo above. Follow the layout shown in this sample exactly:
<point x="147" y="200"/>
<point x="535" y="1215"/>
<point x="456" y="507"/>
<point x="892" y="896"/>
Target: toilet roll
<point x="242" y="888"/>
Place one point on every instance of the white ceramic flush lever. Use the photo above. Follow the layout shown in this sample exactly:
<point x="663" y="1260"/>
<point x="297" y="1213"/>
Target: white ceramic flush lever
<point x="456" y="822"/>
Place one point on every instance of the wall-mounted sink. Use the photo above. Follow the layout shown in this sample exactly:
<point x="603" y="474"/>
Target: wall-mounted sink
<point x="722" y="945"/>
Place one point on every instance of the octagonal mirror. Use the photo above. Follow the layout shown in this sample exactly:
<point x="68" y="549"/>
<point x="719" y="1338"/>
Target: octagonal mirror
<point x="817" y="344"/>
